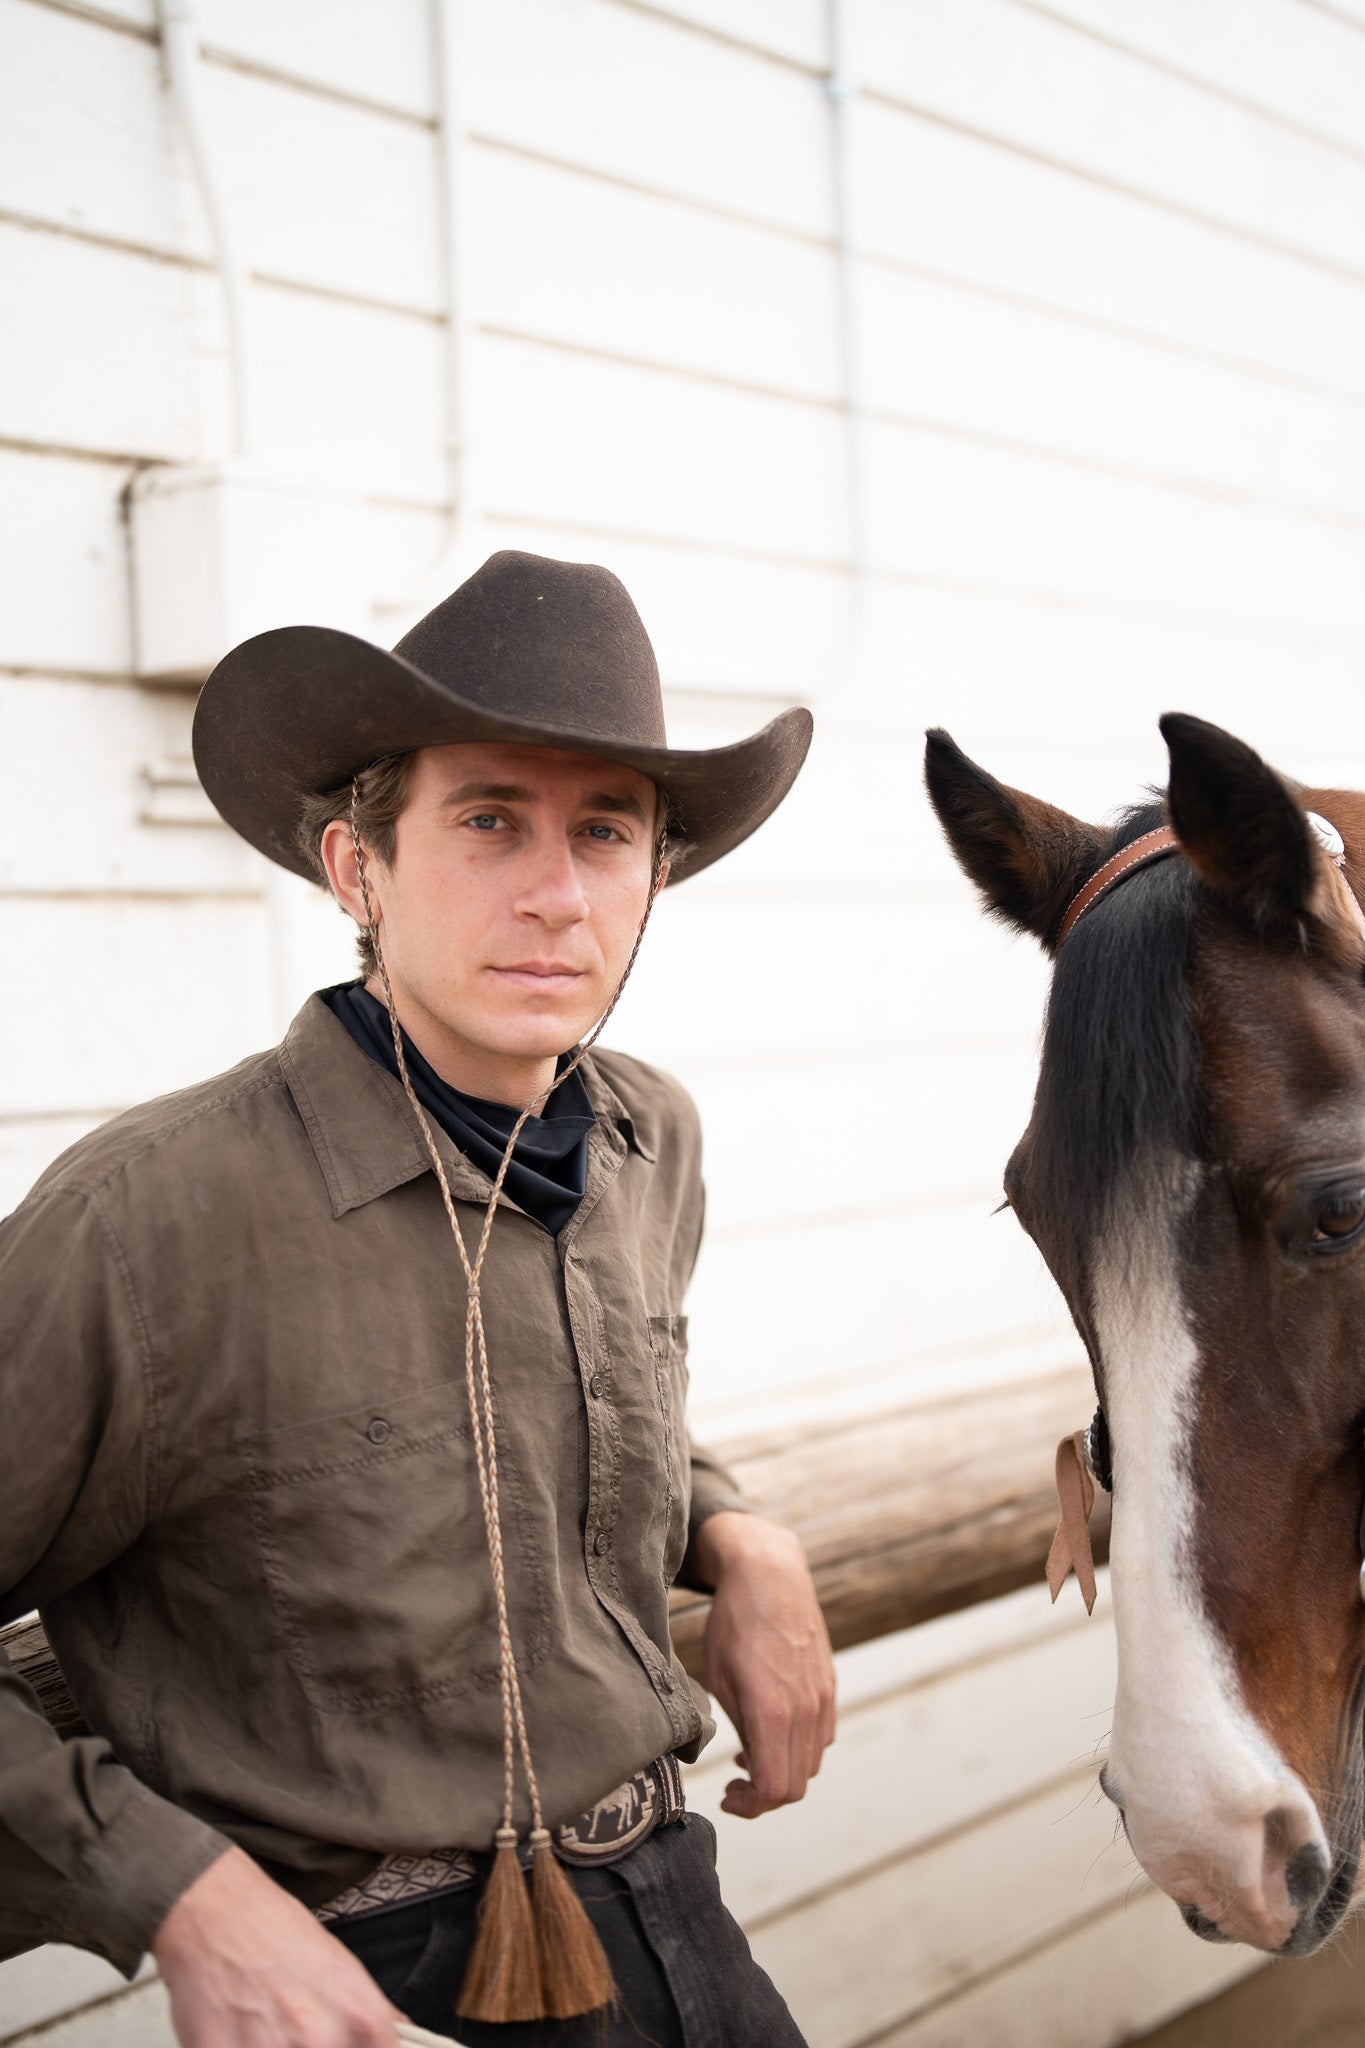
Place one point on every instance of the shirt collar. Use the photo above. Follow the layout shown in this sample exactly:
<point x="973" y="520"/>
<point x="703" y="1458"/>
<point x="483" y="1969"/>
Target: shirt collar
<point x="362" y="1129"/>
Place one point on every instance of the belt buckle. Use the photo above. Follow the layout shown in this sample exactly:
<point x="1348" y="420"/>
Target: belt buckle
<point x="650" y="1798"/>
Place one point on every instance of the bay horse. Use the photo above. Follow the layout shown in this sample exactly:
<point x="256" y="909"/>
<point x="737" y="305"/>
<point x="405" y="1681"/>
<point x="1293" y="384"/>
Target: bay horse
<point x="1193" y="1174"/>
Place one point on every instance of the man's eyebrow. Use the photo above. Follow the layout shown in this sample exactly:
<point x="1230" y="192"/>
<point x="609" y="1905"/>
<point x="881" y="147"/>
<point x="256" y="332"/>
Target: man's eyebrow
<point x="614" y="800"/>
<point x="489" y="792"/>
<point x="620" y="801"/>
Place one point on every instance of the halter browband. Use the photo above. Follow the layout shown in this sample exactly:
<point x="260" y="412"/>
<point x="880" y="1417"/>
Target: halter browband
<point x="1156" y="845"/>
<point x="1139" y="854"/>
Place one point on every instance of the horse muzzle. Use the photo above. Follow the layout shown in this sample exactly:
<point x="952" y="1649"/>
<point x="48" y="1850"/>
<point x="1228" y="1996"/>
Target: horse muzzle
<point x="1268" y="1881"/>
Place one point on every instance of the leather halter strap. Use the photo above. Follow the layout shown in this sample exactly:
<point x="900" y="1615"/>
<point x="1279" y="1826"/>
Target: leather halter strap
<point x="1071" y="1551"/>
<point x="1151" y="846"/>
<point x="1156" y="845"/>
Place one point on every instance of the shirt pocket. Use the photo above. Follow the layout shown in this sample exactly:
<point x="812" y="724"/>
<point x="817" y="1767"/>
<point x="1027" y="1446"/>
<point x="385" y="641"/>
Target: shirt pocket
<point x="371" y="1539"/>
<point x="668" y="1349"/>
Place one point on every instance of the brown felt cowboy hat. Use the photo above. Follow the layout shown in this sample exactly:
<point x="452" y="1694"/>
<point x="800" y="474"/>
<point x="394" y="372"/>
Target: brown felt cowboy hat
<point x="528" y="650"/>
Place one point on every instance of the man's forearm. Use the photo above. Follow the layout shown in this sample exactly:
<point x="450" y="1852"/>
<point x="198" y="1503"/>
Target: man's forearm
<point x="768" y="1658"/>
<point x="741" y="1539"/>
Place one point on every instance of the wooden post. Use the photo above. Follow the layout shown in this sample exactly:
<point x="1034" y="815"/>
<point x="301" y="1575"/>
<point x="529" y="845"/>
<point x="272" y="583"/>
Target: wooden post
<point x="915" y="1512"/>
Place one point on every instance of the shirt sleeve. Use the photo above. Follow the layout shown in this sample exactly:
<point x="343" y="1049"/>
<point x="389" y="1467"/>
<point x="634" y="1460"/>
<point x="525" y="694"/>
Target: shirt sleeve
<point x="88" y="1854"/>
<point x="713" y="1487"/>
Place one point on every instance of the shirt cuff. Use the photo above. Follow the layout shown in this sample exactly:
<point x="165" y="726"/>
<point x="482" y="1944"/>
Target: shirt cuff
<point x="149" y="1854"/>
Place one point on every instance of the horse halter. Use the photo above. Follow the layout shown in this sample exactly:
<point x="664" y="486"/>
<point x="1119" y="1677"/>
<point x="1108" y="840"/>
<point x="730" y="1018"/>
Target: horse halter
<point x="1086" y="1458"/>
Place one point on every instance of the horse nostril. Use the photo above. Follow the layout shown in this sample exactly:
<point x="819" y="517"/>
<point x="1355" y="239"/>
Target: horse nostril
<point x="1199" y="1923"/>
<point x="1109" y="1788"/>
<point x="1305" y="1876"/>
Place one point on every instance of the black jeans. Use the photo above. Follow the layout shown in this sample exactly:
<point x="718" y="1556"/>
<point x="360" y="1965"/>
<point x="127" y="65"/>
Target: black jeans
<point x="684" y="1974"/>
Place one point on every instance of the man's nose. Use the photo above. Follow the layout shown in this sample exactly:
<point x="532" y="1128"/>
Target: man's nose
<point x="552" y="888"/>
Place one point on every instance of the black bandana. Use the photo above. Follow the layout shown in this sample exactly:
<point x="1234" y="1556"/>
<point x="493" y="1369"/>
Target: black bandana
<point x="549" y="1167"/>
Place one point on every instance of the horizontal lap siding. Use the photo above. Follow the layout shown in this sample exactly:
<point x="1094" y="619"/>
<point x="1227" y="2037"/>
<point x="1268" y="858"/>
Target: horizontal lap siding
<point x="1112" y="296"/>
<point x="136" y="2018"/>
<point x="329" y="194"/>
<point x="1115" y="1975"/>
<point x="347" y="394"/>
<point x="1274" y="56"/>
<point x="945" y="1756"/>
<point x="592" y="444"/>
<point x="953" y="1876"/>
<point x="144" y="959"/>
<point x="66" y="570"/>
<point x="1135" y="126"/>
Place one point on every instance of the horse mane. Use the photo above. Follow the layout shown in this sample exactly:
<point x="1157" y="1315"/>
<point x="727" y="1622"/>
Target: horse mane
<point x="1119" y="1085"/>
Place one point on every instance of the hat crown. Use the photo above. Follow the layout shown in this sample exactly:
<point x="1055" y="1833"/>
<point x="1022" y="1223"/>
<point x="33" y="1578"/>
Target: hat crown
<point x="546" y="642"/>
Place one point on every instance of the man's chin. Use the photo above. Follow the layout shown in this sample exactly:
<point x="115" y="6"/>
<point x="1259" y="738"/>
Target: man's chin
<point x="544" y="1036"/>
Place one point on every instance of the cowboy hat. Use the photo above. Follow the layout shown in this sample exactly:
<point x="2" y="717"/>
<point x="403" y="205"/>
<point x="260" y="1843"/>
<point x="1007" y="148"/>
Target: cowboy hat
<point x="528" y="650"/>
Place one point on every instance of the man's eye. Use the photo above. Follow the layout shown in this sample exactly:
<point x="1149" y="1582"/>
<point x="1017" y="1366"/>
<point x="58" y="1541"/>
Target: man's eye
<point x="602" y="831"/>
<point x="486" y="821"/>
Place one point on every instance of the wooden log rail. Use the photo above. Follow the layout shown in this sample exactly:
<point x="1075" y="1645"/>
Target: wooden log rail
<point x="905" y="1515"/>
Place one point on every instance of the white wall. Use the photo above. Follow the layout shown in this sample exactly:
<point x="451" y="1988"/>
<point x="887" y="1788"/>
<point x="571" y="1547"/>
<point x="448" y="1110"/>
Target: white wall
<point x="1111" y="303"/>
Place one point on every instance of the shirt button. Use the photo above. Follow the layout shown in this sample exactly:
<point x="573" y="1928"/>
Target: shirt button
<point x="599" y="1542"/>
<point x="378" y="1431"/>
<point x="595" y="1385"/>
<point x="667" y="1681"/>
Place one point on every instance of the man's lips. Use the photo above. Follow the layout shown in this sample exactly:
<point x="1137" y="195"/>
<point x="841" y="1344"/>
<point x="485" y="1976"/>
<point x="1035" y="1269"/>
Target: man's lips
<point x="541" y="977"/>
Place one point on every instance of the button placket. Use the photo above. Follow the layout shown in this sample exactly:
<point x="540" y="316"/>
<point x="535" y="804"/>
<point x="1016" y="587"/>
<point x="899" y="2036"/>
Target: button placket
<point x="583" y="1321"/>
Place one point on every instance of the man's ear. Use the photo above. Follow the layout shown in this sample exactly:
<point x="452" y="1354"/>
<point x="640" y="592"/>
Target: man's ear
<point x="1027" y="858"/>
<point x="343" y="877"/>
<point x="1243" y="831"/>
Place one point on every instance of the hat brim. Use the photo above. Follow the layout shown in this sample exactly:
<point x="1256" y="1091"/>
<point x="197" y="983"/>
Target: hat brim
<point x="298" y="711"/>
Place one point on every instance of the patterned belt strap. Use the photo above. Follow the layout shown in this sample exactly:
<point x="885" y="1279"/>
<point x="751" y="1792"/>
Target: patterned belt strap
<point x="651" y="1798"/>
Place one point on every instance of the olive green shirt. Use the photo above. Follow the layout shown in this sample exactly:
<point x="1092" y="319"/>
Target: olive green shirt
<point x="236" y="1478"/>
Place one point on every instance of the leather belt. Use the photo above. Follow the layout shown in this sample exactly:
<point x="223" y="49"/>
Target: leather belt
<point x="650" y="1798"/>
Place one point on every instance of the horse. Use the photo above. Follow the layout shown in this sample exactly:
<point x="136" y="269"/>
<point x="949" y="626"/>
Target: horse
<point x="1193" y="1174"/>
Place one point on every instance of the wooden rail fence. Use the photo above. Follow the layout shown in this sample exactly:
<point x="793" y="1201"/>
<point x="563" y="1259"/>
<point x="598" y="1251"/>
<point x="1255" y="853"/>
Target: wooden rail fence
<point x="904" y="1514"/>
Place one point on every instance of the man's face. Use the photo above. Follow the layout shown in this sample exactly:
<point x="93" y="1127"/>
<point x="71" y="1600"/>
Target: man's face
<point x="519" y="878"/>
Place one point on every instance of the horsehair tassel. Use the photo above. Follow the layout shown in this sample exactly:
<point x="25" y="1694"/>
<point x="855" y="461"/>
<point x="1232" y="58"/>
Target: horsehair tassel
<point x="502" y="1980"/>
<point x="1071" y="1545"/>
<point x="575" y="1976"/>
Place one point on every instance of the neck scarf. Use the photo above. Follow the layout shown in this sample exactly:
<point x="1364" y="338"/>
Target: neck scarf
<point x="549" y="1167"/>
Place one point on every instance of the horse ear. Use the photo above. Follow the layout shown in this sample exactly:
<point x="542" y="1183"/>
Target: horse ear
<point x="1241" y="828"/>
<point x="1027" y="858"/>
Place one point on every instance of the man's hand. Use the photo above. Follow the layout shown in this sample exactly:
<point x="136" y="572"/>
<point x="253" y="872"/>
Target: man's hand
<point x="768" y="1658"/>
<point x="246" y="1966"/>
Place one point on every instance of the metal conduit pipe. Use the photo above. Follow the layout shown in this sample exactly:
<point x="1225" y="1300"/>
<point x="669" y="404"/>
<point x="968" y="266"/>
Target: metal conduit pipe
<point x="180" y="56"/>
<point x="453" y="559"/>
<point x="841" y="91"/>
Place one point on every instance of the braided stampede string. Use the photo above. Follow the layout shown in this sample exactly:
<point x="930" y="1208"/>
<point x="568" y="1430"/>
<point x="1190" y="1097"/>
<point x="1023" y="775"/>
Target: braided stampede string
<point x="478" y="1381"/>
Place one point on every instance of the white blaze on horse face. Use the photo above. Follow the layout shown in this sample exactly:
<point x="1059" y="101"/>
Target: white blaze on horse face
<point x="1213" y="1811"/>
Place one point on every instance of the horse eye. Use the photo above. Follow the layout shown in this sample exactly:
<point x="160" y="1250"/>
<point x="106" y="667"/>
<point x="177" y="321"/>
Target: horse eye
<point x="1339" y="1219"/>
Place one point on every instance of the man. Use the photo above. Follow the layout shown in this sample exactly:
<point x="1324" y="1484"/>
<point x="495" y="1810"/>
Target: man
<point x="347" y="1458"/>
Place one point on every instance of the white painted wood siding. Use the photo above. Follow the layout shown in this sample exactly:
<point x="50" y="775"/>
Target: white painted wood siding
<point x="1111" y="296"/>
